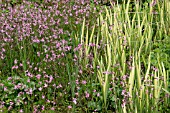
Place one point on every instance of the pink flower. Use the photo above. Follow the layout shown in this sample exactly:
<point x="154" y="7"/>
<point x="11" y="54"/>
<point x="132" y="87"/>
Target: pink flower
<point x="3" y="50"/>
<point x="9" y="78"/>
<point x="28" y="80"/>
<point x="98" y="94"/>
<point x="87" y="94"/>
<point x="69" y="107"/>
<point x="30" y="91"/>
<point x="77" y="81"/>
<point x="40" y="89"/>
<point x="92" y="44"/>
<point x="42" y="40"/>
<point x="29" y="74"/>
<point x="9" y="108"/>
<point x="20" y="64"/>
<point x="38" y="53"/>
<point x="84" y="82"/>
<point x="43" y="108"/>
<point x="53" y="108"/>
<point x="21" y="111"/>
<point x="123" y="92"/>
<point x="45" y="85"/>
<point x="38" y="76"/>
<point x="14" y="67"/>
<point x="106" y="72"/>
<point x="43" y="96"/>
<point x="5" y="88"/>
<point x="74" y="100"/>
<point x="51" y="78"/>
<point x="153" y="3"/>
<point x="15" y="61"/>
<point x="48" y="101"/>
<point x="11" y="103"/>
<point x="59" y="86"/>
<point x="80" y="71"/>
<point x="77" y="94"/>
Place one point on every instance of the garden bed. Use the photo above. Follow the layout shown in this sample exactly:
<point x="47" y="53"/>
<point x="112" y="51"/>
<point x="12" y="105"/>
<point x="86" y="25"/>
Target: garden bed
<point x="82" y="56"/>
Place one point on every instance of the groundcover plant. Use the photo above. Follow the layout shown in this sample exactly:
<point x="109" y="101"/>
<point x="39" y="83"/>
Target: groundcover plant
<point x="67" y="56"/>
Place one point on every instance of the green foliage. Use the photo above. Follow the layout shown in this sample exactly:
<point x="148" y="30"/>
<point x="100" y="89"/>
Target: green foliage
<point x="120" y="62"/>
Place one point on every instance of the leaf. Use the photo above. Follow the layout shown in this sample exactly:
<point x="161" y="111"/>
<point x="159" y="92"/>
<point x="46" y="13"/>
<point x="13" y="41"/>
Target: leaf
<point x="99" y="107"/>
<point x="91" y="104"/>
<point x="166" y="91"/>
<point x="112" y="99"/>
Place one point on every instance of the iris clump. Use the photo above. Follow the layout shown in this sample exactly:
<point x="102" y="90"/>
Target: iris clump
<point x="82" y="55"/>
